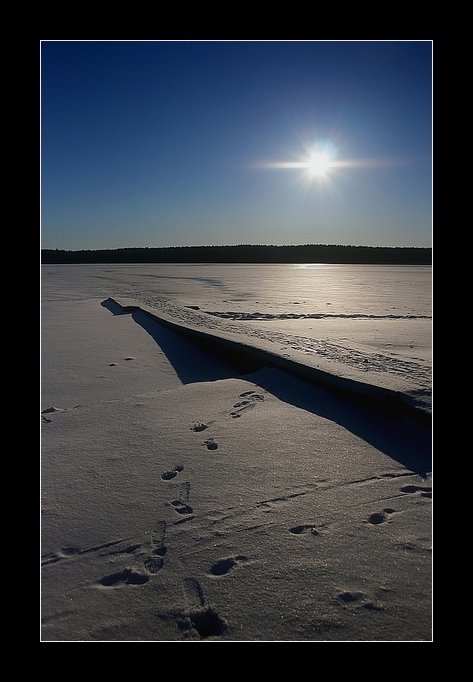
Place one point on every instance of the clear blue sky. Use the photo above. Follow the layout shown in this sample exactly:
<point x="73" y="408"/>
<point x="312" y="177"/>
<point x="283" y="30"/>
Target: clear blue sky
<point x="170" y="143"/>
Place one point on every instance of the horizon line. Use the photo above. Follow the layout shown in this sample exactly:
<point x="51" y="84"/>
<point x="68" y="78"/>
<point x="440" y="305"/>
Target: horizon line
<point x="233" y="246"/>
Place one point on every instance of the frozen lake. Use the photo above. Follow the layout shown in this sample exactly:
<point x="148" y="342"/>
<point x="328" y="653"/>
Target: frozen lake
<point x="176" y="488"/>
<point x="367" y="322"/>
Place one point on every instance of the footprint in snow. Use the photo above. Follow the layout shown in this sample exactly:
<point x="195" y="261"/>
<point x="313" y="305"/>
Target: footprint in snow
<point x="223" y="566"/>
<point x="172" y="473"/>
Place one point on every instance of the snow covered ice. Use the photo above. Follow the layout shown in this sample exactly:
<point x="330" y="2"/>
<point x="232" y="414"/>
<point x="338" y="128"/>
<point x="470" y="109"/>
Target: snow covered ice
<point x="182" y="500"/>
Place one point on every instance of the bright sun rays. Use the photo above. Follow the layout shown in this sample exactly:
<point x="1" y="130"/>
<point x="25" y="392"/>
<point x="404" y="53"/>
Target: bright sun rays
<point x="321" y="160"/>
<point x="317" y="162"/>
<point x="319" y="165"/>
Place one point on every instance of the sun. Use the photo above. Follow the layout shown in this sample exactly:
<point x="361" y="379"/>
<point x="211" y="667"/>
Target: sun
<point x="319" y="164"/>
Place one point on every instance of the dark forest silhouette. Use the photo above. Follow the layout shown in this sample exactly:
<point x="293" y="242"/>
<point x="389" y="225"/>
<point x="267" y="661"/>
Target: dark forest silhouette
<point x="246" y="253"/>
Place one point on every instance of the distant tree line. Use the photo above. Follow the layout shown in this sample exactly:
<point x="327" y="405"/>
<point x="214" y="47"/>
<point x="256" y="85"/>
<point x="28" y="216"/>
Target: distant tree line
<point x="247" y="253"/>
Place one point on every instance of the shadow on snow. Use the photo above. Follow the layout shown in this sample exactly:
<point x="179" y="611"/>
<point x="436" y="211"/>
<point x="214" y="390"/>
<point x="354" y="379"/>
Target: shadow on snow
<point x="402" y="439"/>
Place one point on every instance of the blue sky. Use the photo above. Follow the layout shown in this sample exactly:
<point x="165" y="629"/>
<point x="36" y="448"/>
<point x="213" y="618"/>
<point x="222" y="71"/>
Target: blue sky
<point x="171" y="143"/>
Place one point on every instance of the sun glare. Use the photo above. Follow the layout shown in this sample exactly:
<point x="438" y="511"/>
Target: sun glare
<point x="319" y="163"/>
<point x="316" y="164"/>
